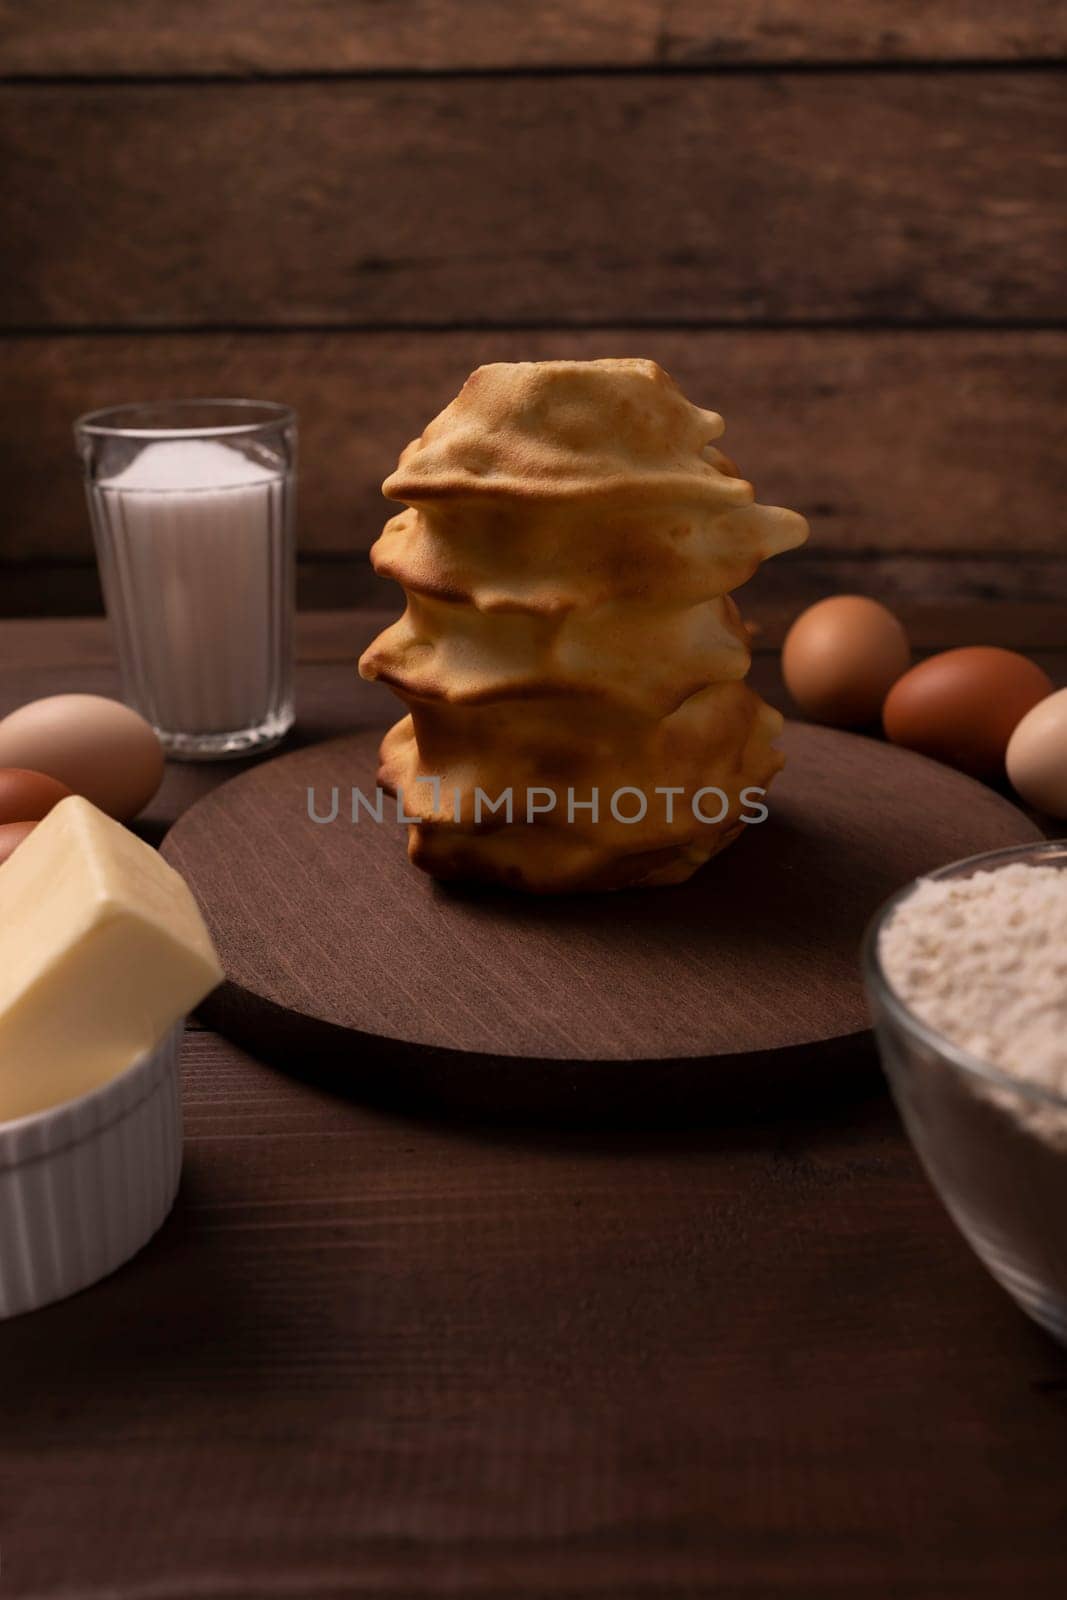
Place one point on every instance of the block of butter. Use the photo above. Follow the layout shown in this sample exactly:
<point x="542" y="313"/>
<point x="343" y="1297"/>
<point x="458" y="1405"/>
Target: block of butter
<point x="102" y="950"/>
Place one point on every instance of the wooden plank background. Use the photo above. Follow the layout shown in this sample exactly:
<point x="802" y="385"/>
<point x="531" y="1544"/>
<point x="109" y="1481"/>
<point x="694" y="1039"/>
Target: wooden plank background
<point x="68" y="37"/>
<point x="844" y="230"/>
<point x="800" y="197"/>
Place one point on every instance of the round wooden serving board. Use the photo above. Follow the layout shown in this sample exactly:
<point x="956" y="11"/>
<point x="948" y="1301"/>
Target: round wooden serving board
<point x="340" y="954"/>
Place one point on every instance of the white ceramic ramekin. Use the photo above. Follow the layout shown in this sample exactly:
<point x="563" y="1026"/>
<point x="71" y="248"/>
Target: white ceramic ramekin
<point x="85" y="1184"/>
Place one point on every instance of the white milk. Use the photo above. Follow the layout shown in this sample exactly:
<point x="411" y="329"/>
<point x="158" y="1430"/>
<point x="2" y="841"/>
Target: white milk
<point x="195" y="554"/>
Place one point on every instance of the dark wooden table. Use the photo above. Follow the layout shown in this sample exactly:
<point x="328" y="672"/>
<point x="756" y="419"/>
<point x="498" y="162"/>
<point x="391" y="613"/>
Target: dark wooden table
<point x="373" y="1354"/>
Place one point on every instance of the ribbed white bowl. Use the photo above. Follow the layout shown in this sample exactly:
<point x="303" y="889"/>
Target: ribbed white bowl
<point x="84" y="1185"/>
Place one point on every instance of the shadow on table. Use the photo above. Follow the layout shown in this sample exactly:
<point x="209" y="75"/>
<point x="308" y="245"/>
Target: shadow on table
<point x="515" y="1098"/>
<point x="121" y="1351"/>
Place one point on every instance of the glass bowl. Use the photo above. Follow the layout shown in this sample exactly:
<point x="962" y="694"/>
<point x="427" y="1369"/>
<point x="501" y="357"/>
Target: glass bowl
<point x="994" y="1147"/>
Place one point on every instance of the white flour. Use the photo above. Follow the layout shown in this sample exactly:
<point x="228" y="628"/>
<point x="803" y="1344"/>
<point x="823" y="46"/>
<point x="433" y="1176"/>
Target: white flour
<point x="983" y="960"/>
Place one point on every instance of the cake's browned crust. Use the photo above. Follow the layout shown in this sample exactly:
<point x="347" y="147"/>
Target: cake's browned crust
<point x="571" y="538"/>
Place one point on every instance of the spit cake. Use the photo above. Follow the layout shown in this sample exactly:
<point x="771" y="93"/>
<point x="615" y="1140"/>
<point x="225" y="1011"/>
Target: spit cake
<point x="570" y="540"/>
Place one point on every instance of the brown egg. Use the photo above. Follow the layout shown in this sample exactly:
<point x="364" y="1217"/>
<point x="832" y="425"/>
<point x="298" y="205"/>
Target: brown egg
<point x="841" y="657"/>
<point x="11" y="836"/>
<point x="28" y="796"/>
<point x="99" y="748"/>
<point x="962" y="706"/>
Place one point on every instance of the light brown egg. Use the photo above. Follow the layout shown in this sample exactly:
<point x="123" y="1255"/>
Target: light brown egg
<point x="1037" y="755"/>
<point x="841" y="657"/>
<point x="28" y="796"/>
<point x="11" y="836"/>
<point x="963" y="706"/>
<point x="99" y="748"/>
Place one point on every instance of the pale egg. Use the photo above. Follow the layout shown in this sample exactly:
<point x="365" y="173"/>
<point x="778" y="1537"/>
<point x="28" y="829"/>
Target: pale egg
<point x="1037" y="755"/>
<point x="99" y="748"/>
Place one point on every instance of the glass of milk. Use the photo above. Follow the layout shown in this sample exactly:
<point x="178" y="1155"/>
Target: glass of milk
<point x="192" y="506"/>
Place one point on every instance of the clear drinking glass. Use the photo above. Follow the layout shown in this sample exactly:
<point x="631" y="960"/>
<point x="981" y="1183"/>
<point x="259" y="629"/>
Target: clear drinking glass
<point x="192" y="506"/>
<point x="994" y="1146"/>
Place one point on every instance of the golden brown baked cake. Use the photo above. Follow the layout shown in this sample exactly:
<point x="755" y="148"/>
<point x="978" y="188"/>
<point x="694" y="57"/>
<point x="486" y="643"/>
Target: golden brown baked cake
<point x="570" y="540"/>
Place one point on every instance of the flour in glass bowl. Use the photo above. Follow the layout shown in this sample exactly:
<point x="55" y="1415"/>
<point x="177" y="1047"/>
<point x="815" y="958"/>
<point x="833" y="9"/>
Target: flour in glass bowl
<point x="983" y="960"/>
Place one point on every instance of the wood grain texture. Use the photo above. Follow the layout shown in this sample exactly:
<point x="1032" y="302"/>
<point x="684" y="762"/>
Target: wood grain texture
<point x="66" y="37"/>
<point x="890" y="442"/>
<point x="573" y="199"/>
<point x="374" y="1356"/>
<point x="393" y="1357"/>
<point x="338" y="951"/>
